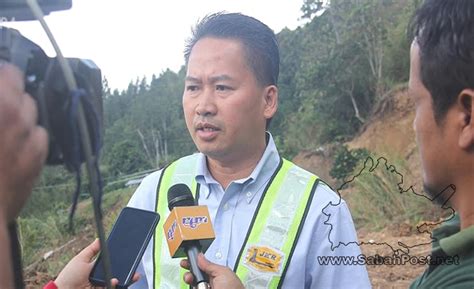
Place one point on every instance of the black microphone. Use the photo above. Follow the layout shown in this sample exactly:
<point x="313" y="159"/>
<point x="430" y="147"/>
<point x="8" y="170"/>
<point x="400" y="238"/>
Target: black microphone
<point x="180" y="195"/>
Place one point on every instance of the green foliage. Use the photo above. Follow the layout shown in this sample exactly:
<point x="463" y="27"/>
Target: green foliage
<point x="345" y="161"/>
<point x="300" y="132"/>
<point x="336" y="68"/>
<point x="311" y="7"/>
<point x="397" y="64"/>
<point x="378" y="198"/>
<point x="125" y="157"/>
<point x="39" y="235"/>
<point x="53" y="192"/>
<point x="145" y="125"/>
<point x="47" y="232"/>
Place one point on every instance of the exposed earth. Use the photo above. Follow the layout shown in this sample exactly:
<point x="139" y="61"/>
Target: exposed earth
<point x="389" y="133"/>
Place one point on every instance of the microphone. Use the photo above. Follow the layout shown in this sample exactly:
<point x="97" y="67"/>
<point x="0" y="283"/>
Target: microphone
<point x="188" y="230"/>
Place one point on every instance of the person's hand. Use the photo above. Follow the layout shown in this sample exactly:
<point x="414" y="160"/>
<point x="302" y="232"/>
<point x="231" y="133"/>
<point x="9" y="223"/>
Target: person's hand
<point x="220" y="277"/>
<point x="77" y="271"/>
<point x="23" y="144"/>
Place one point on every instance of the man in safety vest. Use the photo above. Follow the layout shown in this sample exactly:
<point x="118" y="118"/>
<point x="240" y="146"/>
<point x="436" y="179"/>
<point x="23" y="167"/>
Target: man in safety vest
<point x="260" y="204"/>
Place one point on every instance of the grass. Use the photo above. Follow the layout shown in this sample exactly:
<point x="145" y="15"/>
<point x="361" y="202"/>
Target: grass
<point x="49" y="231"/>
<point x="380" y="196"/>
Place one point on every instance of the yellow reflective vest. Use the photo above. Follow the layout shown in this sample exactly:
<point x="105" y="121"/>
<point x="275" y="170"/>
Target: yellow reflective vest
<point x="272" y="236"/>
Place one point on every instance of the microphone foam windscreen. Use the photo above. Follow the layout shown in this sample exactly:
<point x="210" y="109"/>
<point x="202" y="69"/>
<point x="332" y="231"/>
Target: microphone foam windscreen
<point x="180" y="195"/>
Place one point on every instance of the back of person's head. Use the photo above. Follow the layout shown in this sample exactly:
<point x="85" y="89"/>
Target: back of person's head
<point x="444" y="31"/>
<point x="259" y="42"/>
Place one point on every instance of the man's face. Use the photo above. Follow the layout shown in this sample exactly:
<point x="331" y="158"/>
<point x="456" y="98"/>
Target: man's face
<point x="436" y="141"/>
<point x="224" y="106"/>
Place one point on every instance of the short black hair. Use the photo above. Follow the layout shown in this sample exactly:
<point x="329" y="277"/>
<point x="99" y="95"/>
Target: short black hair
<point x="259" y="42"/>
<point x="444" y="31"/>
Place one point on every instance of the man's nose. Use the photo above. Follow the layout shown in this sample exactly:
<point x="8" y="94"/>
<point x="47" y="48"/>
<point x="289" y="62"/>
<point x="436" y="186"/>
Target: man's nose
<point x="206" y="105"/>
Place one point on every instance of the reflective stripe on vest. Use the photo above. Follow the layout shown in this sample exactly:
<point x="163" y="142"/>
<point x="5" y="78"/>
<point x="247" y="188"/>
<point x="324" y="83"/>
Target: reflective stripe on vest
<point x="275" y="227"/>
<point x="166" y="271"/>
<point x="273" y="233"/>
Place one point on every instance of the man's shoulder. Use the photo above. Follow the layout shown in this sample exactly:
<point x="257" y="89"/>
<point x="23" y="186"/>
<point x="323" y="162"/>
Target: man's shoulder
<point x="323" y="189"/>
<point x="305" y="171"/>
<point x="152" y="177"/>
<point x="145" y="194"/>
<point x="155" y="176"/>
<point x="147" y="189"/>
<point x="458" y="276"/>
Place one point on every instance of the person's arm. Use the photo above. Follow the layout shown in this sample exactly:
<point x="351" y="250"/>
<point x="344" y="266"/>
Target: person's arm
<point x="335" y="241"/>
<point x="23" y="149"/>
<point x="220" y="277"/>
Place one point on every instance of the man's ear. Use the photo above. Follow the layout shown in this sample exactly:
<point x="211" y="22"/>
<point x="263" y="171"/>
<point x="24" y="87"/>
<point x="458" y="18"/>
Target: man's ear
<point x="270" y="101"/>
<point x="465" y="102"/>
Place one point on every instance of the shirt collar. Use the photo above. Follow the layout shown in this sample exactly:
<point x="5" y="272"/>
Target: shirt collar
<point x="450" y="240"/>
<point x="459" y="242"/>
<point x="270" y="159"/>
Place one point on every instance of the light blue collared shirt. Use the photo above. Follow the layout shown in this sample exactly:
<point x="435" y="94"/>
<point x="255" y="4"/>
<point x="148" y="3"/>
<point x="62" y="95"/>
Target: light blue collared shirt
<point x="231" y="210"/>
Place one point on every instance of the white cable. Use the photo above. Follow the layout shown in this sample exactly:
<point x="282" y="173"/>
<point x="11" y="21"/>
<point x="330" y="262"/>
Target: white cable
<point x="66" y="68"/>
<point x="93" y="177"/>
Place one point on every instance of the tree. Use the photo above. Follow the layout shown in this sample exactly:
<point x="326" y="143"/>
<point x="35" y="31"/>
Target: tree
<point x="337" y="67"/>
<point x="125" y="158"/>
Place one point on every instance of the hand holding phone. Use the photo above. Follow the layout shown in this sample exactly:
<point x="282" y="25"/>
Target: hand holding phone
<point x="126" y="243"/>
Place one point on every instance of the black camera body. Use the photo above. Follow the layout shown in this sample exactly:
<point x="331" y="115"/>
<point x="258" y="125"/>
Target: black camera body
<point x="18" y="10"/>
<point x="45" y="82"/>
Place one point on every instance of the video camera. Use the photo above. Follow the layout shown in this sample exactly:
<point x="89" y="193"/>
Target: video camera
<point x="68" y="93"/>
<point x="45" y="82"/>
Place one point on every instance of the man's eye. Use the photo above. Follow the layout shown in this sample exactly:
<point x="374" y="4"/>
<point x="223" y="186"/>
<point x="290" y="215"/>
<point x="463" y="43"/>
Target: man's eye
<point x="191" y="87"/>
<point x="222" y="87"/>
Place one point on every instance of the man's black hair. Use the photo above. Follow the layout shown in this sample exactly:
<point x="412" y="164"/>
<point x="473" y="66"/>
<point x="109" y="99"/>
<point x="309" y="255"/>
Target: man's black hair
<point x="444" y="31"/>
<point x="259" y="42"/>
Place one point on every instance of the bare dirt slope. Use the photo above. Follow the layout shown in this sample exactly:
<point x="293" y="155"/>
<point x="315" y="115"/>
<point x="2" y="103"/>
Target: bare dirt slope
<point x="389" y="133"/>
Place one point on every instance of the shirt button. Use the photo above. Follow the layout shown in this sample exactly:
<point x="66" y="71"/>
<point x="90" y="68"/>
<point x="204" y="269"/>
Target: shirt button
<point x="249" y="194"/>
<point x="219" y="255"/>
<point x="226" y="206"/>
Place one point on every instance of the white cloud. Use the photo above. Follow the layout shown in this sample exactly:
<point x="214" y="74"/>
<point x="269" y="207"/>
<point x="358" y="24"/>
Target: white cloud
<point x="130" y="39"/>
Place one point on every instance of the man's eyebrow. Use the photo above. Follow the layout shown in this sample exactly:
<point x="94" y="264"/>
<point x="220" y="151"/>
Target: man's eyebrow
<point x="222" y="77"/>
<point x="212" y="79"/>
<point x="192" y="79"/>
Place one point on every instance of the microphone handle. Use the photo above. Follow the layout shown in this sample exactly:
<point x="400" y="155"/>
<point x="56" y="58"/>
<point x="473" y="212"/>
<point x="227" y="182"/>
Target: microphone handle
<point x="200" y="278"/>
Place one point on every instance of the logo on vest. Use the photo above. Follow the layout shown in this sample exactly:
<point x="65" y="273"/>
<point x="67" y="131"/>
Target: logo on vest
<point x="194" y="222"/>
<point x="264" y="259"/>
<point x="171" y="230"/>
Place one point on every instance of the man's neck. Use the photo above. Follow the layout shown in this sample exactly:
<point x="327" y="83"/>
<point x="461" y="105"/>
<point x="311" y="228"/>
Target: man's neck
<point x="228" y="170"/>
<point x="467" y="217"/>
<point x="464" y="201"/>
